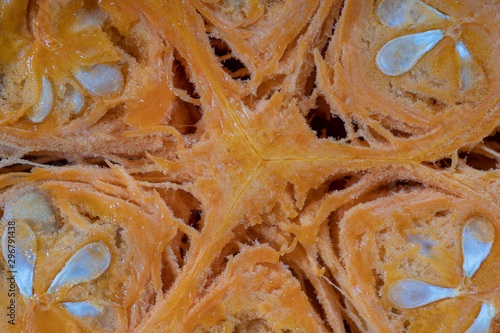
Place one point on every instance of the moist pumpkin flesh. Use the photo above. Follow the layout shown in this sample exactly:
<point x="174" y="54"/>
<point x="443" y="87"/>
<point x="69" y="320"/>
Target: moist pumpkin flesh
<point x="250" y="166"/>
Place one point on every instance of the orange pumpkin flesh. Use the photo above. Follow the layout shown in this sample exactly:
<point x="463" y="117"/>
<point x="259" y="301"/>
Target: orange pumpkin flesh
<point x="248" y="166"/>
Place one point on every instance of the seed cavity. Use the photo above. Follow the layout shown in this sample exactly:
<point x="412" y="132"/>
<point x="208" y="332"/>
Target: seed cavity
<point x="45" y="103"/>
<point x="32" y="207"/>
<point x="401" y="54"/>
<point x="409" y="293"/>
<point x="477" y="240"/>
<point x="100" y="79"/>
<point x="20" y="241"/>
<point x="400" y="13"/>
<point x="88" y="19"/>
<point x="81" y="309"/>
<point x="482" y="322"/>
<point x="85" y="265"/>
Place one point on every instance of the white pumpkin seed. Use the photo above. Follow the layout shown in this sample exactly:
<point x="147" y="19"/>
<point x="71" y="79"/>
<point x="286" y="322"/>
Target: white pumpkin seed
<point x="482" y="322"/>
<point x="104" y="316"/>
<point x="100" y="79"/>
<point x="401" y="54"/>
<point x="400" y="13"/>
<point x="425" y="244"/>
<point x="81" y="309"/>
<point x="477" y="240"/>
<point x="465" y="65"/>
<point x="85" y="265"/>
<point x="75" y="100"/>
<point x="409" y="293"/>
<point x="19" y="250"/>
<point x="32" y="207"/>
<point x="45" y="102"/>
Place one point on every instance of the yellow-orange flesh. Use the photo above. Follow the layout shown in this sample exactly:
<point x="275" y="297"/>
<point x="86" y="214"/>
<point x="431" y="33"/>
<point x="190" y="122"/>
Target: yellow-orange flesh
<point x="250" y="165"/>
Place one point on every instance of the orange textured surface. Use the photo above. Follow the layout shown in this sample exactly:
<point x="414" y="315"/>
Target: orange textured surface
<point x="250" y="166"/>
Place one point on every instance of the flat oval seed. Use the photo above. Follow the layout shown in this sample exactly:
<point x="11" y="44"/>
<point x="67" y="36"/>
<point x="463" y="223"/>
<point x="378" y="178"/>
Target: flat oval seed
<point x="471" y="75"/>
<point x="85" y="265"/>
<point x="401" y="54"/>
<point x="81" y="309"/>
<point x="104" y="316"/>
<point x="477" y="240"/>
<point x="462" y="51"/>
<point x="392" y="12"/>
<point x="465" y="65"/>
<point x="398" y="13"/>
<point x="409" y="294"/>
<point x="101" y="79"/>
<point x="20" y="240"/>
<point x="425" y="244"/>
<point x="45" y="102"/>
<point x="32" y="207"/>
<point x="482" y="322"/>
<point x="75" y="99"/>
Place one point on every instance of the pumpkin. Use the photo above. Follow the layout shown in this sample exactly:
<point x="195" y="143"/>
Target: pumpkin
<point x="250" y="166"/>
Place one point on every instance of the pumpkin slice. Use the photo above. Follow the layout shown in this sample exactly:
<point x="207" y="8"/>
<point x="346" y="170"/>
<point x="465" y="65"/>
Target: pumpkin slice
<point x="450" y="286"/>
<point x="90" y="259"/>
